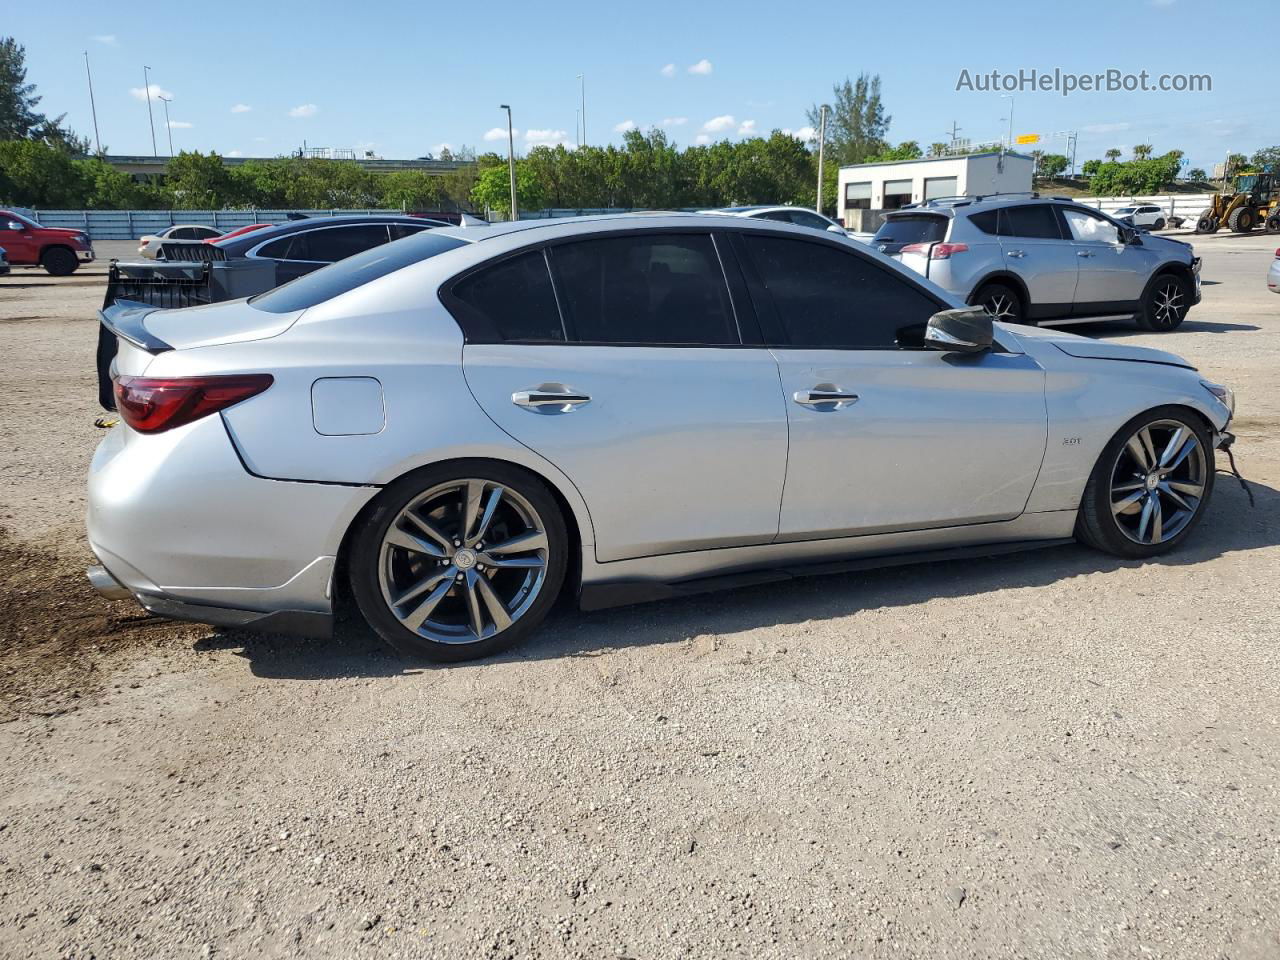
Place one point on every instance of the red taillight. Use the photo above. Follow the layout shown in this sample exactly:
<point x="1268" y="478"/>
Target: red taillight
<point x="936" y="251"/>
<point x="153" y="404"/>
<point x="1278" y="253"/>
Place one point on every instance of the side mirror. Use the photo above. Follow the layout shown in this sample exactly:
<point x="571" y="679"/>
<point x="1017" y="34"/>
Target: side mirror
<point x="1132" y="235"/>
<point x="967" y="330"/>
<point x="16" y="225"/>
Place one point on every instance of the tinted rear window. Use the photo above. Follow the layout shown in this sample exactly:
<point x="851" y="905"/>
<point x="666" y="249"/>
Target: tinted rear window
<point x="337" y="278"/>
<point x="921" y="229"/>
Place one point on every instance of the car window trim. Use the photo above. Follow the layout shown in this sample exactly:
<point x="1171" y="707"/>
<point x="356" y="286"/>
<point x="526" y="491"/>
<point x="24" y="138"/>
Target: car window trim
<point x="253" y="252"/>
<point x="779" y="338"/>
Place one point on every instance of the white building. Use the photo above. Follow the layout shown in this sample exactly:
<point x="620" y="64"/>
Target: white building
<point x="888" y="186"/>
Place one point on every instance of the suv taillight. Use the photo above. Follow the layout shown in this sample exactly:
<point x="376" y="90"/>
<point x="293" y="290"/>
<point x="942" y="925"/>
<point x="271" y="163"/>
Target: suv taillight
<point x="154" y="404"/>
<point x="936" y="251"/>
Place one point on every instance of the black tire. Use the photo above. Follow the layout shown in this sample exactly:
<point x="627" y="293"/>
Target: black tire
<point x="367" y="572"/>
<point x="1204" y="222"/>
<point x="1273" y="223"/>
<point x="1159" y="224"/>
<point x="1002" y="302"/>
<point x="59" y="262"/>
<point x="1242" y="220"/>
<point x="1165" y="304"/>
<point x="1101" y="527"/>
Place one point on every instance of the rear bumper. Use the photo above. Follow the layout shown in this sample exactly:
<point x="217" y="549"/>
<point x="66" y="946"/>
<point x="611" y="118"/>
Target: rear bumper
<point x="179" y="524"/>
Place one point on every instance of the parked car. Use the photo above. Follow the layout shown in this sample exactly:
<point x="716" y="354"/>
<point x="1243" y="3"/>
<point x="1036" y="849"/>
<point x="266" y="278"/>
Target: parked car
<point x="238" y="232"/>
<point x="149" y="244"/>
<point x="4" y="263"/>
<point x="800" y="216"/>
<point x="469" y="422"/>
<point x="1273" y="275"/>
<point x="1143" y="215"/>
<point x="28" y="243"/>
<point x="1045" y="260"/>
<point x="193" y="273"/>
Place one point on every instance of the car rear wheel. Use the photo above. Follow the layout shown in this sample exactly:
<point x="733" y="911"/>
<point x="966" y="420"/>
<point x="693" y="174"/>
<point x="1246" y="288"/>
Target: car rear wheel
<point x="1159" y="224"/>
<point x="59" y="262"/>
<point x="1150" y="486"/>
<point x="1165" y="304"/>
<point x="459" y="561"/>
<point x="1001" y="302"/>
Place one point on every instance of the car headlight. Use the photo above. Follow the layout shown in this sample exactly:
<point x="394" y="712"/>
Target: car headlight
<point x="1225" y="395"/>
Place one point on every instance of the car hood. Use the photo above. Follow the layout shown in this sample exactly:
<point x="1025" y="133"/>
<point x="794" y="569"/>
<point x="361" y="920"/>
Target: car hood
<point x="1085" y="348"/>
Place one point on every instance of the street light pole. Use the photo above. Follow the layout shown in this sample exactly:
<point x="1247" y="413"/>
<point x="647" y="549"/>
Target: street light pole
<point x="92" y="106"/>
<point x="1009" y="97"/>
<point x="146" y="88"/>
<point x="511" y="161"/>
<point x="167" y="125"/>
<point x="822" y="142"/>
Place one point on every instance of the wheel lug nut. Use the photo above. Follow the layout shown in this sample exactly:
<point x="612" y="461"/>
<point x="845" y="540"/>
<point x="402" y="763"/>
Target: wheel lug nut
<point x="459" y="578"/>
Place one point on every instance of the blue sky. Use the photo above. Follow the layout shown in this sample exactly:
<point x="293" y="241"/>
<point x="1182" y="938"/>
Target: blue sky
<point x="401" y="78"/>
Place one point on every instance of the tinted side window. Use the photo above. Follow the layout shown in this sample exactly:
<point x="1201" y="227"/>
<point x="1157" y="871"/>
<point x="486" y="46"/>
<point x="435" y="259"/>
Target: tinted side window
<point x="511" y="300"/>
<point x="401" y="230"/>
<point x="781" y="216"/>
<point x="802" y="218"/>
<point x="181" y="233"/>
<point x="286" y="248"/>
<point x="338" y="243"/>
<point x="652" y="288"/>
<point x="987" y="221"/>
<point x="826" y="297"/>
<point x="1036" y="221"/>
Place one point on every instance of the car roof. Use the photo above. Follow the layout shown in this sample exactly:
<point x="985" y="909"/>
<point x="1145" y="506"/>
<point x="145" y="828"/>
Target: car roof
<point x="962" y="206"/>
<point x="243" y="242"/>
<point x="553" y="227"/>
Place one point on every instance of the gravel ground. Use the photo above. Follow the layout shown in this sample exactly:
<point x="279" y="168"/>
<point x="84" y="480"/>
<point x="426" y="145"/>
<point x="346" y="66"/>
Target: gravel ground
<point x="1049" y="755"/>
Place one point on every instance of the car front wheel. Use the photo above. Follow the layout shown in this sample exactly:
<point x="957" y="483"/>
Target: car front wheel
<point x="1001" y="302"/>
<point x="59" y="262"/>
<point x="459" y="561"/>
<point x="1150" y="486"/>
<point x="1165" y="304"/>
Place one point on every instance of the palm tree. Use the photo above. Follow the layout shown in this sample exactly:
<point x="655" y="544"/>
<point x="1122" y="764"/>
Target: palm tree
<point x="937" y="149"/>
<point x="1142" y="151"/>
<point x="1112" y="155"/>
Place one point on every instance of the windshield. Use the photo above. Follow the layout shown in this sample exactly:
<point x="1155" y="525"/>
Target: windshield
<point x="1124" y="210"/>
<point x="337" y="278"/>
<point x="898" y="231"/>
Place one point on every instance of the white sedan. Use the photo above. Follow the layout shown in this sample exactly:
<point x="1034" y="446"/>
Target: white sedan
<point x="149" y="245"/>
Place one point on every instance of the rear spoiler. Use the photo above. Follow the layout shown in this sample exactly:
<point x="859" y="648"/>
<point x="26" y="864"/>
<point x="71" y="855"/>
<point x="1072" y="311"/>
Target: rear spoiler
<point x="122" y="320"/>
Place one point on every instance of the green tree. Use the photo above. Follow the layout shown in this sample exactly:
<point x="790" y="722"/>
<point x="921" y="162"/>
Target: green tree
<point x="1197" y="174"/>
<point x="1053" y="165"/>
<point x="937" y="149"/>
<point x="1268" y="158"/>
<point x="492" y="189"/>
<point x="1090" y="167"/>
<point x="907" y="150"/>
<point x="199" y="181"/>
<point x="1135" y="177"/>
<point x="1142" y="151"/>
<point x="856" y="121"/>
<point x="38" y="174"/>
<point x="19" y="119"/>
<point x="1112" y="155"/>
<point x="410" y="190"/>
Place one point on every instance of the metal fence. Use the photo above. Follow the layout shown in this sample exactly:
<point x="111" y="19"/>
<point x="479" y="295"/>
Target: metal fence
<point x="132" y="224"/>
<point x="1176" y="204"/>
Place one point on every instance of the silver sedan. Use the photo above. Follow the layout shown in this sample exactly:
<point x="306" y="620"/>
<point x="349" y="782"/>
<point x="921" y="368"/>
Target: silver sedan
<point x="453" y="430"/>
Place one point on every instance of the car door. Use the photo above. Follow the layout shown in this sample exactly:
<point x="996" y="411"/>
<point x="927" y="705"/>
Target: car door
<point x="1033" y="247"/>
<point x="1113" y="273"/>
<point x="884" y="434"/>
<point x="633" y="378"/>
<point x="19" y="243"/>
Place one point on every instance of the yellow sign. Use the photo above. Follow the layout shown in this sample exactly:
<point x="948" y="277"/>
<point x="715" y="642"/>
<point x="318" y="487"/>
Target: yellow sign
<point x="1029" y="138"/>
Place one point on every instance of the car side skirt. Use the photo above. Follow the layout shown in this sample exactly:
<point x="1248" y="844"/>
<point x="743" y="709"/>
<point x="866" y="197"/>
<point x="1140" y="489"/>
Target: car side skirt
<point x="652" y="578"/>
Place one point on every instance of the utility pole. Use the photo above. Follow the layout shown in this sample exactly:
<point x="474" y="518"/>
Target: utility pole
<point x="955" y="131"/>
<point x="168" y="126"/>
<point x="511" y="161"/>
<point x="1009" y="97"/>
<point x="92" y="106"/>
<point x="146" y="88"/>
<point x="822" y="142"/>
<point x="582" y="84"/>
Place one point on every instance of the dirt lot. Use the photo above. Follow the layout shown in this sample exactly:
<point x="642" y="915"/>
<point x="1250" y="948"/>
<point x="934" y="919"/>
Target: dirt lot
<point x="1050" y="755"/>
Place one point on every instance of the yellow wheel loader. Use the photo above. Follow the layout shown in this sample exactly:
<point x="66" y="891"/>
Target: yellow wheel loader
<point x="1255" y="200"/>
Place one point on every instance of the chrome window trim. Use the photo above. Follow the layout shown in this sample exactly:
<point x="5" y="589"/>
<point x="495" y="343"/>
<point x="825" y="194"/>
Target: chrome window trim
<point x="253" y="251"/>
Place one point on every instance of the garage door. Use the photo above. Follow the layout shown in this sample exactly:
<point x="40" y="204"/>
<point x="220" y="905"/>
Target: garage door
<point x="935" y="187"/>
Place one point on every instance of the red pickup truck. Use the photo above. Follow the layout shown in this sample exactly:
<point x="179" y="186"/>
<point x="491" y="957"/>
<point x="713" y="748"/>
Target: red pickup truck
<point x="27" y="243"/>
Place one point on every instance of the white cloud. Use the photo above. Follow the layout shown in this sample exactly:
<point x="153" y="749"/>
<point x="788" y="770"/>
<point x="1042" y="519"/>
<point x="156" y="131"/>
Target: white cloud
<point x="155" y="90"/>
<point x="180" y="125"/>
<point x="747" y="129"/>
<point x="674" y="121"/>
<point x="701" y="68"/>
<point x="498" y="133"/>
<point x="702" y="139"/>
<point x="234" y="153"/>
<point x="806" y="133"/>
<point x="304" y="110"/>
<point x="548" y="137"/>
<point x="669" y="70"/>
<point x="719" y="124"/>
<point x="624" y="126"/>
<point x="107" y="39"/>
<point x="241" y="108"/>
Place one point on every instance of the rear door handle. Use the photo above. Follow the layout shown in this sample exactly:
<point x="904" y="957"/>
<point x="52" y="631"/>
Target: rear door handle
<point x="824" y="395"/>
<point x="550" y="398"/>
<point x="1017" y="253"/>
<point x="1084" y="253"/>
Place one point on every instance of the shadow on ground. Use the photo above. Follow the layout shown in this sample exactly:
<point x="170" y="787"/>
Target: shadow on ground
<point x="1229" y="526"/>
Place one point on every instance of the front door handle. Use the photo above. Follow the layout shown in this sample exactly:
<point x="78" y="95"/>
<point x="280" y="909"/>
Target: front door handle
<point x="825" y="394"/>
<point x="1084" y="253"/>
<point x="1017" y="253"/>
<point x="550" y="398"/>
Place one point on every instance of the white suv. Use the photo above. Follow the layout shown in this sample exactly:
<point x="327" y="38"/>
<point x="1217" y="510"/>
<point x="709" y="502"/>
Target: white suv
<point x="1143" y="215"/>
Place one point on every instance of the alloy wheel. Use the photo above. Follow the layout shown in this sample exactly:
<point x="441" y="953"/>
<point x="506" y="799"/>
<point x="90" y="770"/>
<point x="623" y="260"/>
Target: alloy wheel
<point x="1168" y="304"/>
<point x="1158" y="482"/>
<point x="1001" y="306"/>
<point x="463" y="561"/>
